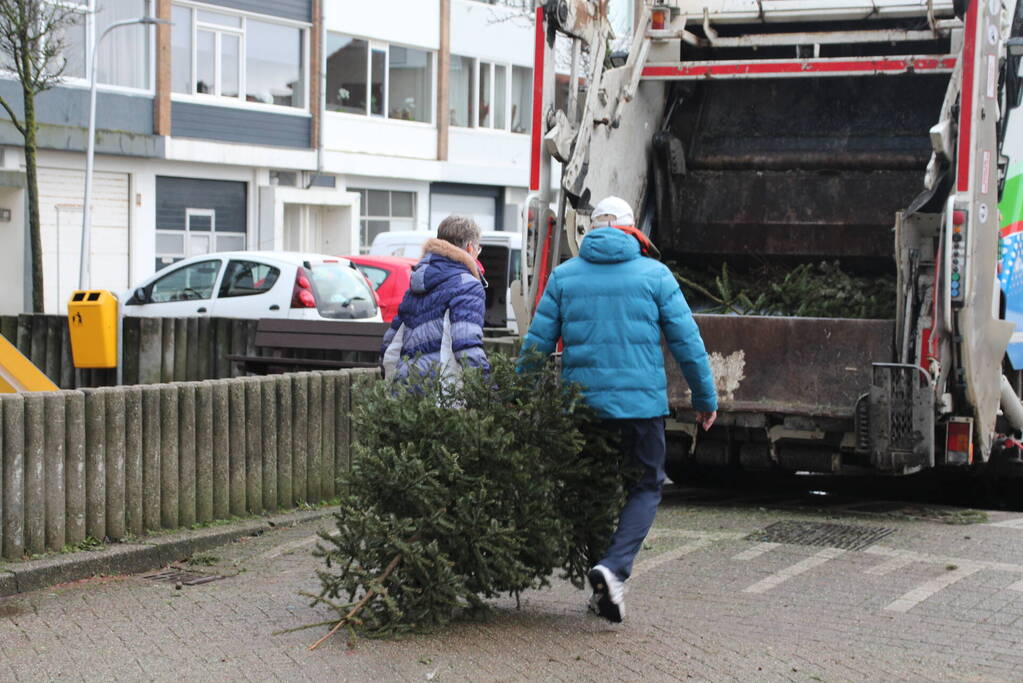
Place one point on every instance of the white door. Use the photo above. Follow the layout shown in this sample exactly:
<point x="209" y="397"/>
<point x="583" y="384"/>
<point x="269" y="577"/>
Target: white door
<point x="60" y="211"/>
<point x="480" y="209"/>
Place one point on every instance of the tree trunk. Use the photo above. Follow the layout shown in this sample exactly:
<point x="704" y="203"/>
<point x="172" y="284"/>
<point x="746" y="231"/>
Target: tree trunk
<point x="34" y="228"/>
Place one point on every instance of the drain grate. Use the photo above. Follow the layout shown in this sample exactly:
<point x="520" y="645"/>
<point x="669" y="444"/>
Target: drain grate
<point x="183" y="576"/>
<point x="844" y="536"/>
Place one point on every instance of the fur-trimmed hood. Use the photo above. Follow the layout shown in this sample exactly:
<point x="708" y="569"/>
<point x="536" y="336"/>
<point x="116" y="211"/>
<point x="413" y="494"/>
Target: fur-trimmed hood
<point x="442" y="262"/>
<point x="450" y="251"/>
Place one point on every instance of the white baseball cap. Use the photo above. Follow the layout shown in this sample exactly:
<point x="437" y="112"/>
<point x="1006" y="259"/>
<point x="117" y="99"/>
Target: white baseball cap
<point x="612" y="211"/>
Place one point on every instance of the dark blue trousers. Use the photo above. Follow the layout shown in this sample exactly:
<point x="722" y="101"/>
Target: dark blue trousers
<point x="642" y="445"/>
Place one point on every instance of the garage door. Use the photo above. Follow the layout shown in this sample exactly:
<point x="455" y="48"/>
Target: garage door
<point x="60" y="210"/>
<point x="480" y="209"/>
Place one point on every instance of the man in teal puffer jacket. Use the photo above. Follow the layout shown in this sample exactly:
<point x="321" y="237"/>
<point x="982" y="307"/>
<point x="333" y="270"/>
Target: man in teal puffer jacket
<point x="610" y="306"/>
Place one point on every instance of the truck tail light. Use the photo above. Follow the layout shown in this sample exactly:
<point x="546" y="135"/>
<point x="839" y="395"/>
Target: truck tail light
<point x="959" y="441"/>
<point x="659" y="18"/>
<point x="302" y="294"/>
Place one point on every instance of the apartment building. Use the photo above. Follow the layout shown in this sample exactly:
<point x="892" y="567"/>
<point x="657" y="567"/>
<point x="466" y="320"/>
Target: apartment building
<point x="269" y="124"/>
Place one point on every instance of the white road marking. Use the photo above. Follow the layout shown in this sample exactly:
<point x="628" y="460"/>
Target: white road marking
<point x="929" y="588"/>
<point x="903" y="559"/>
<point x="1018" y="586"/>
<point x="755" y="552"/>
<point x="783" y="575"/>
<point x="1009" y="523"/>
<point x="668" y="556"/>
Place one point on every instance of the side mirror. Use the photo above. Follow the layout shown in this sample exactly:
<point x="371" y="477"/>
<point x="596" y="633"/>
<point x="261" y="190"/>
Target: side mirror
<point x="138" y="296"/>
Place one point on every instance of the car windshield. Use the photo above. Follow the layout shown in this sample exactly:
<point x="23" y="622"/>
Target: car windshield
<point x="341" y="291"/>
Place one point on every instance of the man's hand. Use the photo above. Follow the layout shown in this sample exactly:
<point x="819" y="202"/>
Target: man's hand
<point x="706" y="419"/>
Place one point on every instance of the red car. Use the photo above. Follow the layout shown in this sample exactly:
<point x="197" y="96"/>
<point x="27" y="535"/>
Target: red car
<point x="389" y="276"/>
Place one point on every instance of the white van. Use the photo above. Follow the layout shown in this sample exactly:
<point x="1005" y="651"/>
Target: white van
<point x="501" y="258"/>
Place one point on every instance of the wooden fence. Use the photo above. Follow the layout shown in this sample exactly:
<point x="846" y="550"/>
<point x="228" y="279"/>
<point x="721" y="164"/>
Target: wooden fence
<point x="154" y="350"/>
<point x="119" y="461"/>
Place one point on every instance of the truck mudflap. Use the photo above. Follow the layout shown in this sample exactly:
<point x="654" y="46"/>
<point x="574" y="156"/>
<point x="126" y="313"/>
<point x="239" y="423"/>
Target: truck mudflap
<point x="813" y="367"/>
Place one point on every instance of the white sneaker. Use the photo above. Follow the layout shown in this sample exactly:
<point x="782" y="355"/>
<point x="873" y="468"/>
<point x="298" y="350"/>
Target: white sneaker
<point x="608" y="599"/>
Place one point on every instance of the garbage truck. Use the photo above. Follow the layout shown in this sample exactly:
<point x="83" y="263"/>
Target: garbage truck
<point x="872" y="133"/>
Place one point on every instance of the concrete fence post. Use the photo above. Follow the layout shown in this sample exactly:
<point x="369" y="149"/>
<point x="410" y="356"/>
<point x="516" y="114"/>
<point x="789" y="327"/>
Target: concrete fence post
<point x="204" y="451"/>
<point x="133" y="461"/>
<point x="314" y="472"/>
<point x="236" y="461"/>
<point x="186" y="454"/>
<point x="116" y="424"/>
<point x="254" y="444"/>
<point x="35" y="473"/>
<point x="221" y="449"/>
<point x="14" y="475"/>
<point x="285" y="447"/>
<point x="53" y="456"/>
<point x="268" y="396"/>
<point x="74" y="467"/>
<point x="151" y="448"/>
<point x="95" y="464"/>
<point x="328" y="487"/>
<point x="299" y="436"/>
<point x="169" y="456"/>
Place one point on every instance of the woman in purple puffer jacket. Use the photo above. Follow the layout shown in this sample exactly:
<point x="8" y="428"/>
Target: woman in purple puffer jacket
<point x="439" y="325"/>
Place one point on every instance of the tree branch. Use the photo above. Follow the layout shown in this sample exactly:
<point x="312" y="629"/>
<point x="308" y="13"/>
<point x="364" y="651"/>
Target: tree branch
<point x="14" y="118"/>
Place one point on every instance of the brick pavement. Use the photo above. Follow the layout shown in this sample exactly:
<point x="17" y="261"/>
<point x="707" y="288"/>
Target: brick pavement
<point x="930" y="602"/>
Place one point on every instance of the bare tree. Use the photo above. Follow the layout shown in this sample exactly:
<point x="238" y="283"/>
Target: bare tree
<point x="31" y="46"/>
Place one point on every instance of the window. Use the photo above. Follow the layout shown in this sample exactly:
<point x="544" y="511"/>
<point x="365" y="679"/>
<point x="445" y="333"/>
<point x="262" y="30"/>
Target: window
<point x="410" y="84"/>
<point x="481" y="92"/>
<point x="521" y="99"/>
<point x="200" y="236"/>
<point x="189" y="283"/>
<point x="384" y="210"/>
<point x="124" y="55"/>
<point x="460" y="89"/>
<point x="246" y="278"/>
<point x="233" y="56"/>
<point x="273" y="64"/>
<point x="375" y="80"/>
<point x="376" y="276"/>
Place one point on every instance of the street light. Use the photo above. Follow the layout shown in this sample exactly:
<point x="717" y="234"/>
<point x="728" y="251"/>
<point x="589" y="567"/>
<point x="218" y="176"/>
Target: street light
<point x="90" y="153"/>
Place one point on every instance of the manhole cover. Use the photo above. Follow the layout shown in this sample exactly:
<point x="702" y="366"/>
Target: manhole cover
<point x="182" y="576"/>
<point x="844" y="536"/>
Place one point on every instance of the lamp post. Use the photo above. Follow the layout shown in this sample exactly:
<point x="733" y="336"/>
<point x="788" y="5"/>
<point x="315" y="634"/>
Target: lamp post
<point x="90" y="150"/>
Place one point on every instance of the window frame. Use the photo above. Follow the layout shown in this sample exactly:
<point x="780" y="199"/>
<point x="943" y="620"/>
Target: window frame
<point x="187" y="231"/>
<point x="240" y="101"/>
<point x="213" y="287"/>
<point x="384" y="46"/>
<point x="224" y="293"/>
<point x="477" y="81"/>
<point x="365" y="216"/>
<point x="88" y="9"/>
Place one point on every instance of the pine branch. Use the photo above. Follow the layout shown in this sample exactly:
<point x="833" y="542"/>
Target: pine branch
<point x="370" y="594"/>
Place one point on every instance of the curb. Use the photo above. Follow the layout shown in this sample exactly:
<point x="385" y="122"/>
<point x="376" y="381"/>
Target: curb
<point x="140" y="556"/>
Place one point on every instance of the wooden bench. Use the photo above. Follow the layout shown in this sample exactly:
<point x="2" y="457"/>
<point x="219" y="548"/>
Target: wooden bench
<point x="292" y="345"/>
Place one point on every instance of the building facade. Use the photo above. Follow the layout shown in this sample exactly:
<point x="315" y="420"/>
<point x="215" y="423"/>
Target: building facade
<point x="269" y="124"/>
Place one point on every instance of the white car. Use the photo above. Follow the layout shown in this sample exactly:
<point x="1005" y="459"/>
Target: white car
<point x="256" y="284"/>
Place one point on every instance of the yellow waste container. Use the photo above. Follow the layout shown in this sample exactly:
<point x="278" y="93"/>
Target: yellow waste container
<point x="92" y="322"/>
